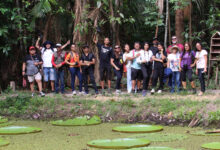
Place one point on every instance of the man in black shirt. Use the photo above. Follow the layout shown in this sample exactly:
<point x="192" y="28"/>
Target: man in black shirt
<point x="105" y="53"/>
<point x="87" y="61"/>
<point x="117" y="63"/>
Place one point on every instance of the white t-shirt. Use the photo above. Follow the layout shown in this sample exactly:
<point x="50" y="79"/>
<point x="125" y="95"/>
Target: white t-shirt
<point x="174" y="61"/>
<point x="201" y="59"/>
<point x="47" y="57"/>
<point x="125" y="56"/>
<point x="145" y="56"/>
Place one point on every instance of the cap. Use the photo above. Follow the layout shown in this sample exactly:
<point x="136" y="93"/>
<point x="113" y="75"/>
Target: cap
<point x="58" y="45"/>
<point x="155" y="38"/>
<point x="32" y="48"/>
<point x="85" y="46"/>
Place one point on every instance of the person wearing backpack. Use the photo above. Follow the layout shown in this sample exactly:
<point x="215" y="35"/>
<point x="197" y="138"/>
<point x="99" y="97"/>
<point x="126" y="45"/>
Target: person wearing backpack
<point x="87" y="61"/>
<point x="187" y="62"/>
<point x="31" y="68"/>
<point x="117" y="63"/>
<point x="105" y="53"/>
<point x="58" y="61"/>
<point x="72" y="59"/>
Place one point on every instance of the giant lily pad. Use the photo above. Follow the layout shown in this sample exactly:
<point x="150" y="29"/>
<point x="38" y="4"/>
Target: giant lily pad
<point x="138" y="129"/>
<point x="155" y="148"/>
<point x="78" y="121"/>
<point x="3" y="120"/>
<point x="119" y="143"/>
<point x="3" y="142"/>
<point x="18" y="130"/>
<point x="204" y="133"/>
<point x="213" y="145"/>
<point x="164" y="137"/>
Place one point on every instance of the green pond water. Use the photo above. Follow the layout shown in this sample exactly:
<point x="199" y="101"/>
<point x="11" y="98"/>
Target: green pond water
<point x="76" y="138"/>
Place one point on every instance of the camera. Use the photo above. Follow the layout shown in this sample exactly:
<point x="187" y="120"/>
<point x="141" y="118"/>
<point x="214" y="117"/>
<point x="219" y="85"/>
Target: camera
<point x="185" y="67"/>
<point x="76" y="63"/>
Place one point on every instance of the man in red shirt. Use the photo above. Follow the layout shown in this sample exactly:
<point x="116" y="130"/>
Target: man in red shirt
<point x="175" y="43"/>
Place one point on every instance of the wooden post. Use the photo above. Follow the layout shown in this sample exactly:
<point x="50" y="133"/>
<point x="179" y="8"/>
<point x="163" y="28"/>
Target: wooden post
<point x="12" y="85"/>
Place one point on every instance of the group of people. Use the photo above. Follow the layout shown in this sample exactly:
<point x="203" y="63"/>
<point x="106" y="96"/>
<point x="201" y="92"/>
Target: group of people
<point x="143" y="66"/>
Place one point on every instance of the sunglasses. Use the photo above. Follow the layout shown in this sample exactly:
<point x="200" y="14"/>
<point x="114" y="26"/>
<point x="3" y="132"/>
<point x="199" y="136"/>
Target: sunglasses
<point x="117" y="47"/>
<point x="173" y="38"/>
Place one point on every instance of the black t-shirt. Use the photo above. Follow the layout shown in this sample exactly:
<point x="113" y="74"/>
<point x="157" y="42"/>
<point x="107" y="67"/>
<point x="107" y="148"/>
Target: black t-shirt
<point x="158" y="55"/>
<point x="118" y="61"/>
<point x="89" y="58"/>
<point x="154" y="49"/>
<point x="105" y="54"/>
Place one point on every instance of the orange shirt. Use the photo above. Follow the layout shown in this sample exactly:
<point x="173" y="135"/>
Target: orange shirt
<point x="73" y="57"/>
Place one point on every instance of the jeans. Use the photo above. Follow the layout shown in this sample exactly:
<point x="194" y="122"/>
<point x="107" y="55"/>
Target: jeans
<point x="146" y="71"/>
<point x="129" y="83"/>
<point x="59" y="82"/>
<point x="89" y="72"/>
<point x="49" y="74"/>
<point x="175" y="81"/>
<point x="118" y="74"/>
<point x="201" y="79"/>
<point x="158" y="73"/>
<point x="75" y="71"/>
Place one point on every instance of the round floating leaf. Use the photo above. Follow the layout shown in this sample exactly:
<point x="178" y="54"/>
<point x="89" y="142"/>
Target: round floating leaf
<point x="214" y="145"/>
<point x="78" y="121"/>
<point x="3" y="142"/>
<point x="3" y="120"/>
<point x="119" y="143"/>
<point x="155" y="148"/>
<point x="204" y="133"/>
<point x="138" y="129"/>
<point x="18" y="130"/>
<point x="164" y="137"/>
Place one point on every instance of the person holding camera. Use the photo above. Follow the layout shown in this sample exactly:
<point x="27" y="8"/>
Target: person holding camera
<point x="145" y="60"/>
<point x="187" y="59"/>
<point x="87" y="61"/>
<point x="31" y="68"/>
<point x="72" y="59"/>
<point x="159" y="59"/>
<point x="173" y="64"/>
<point x="117" y="63"/>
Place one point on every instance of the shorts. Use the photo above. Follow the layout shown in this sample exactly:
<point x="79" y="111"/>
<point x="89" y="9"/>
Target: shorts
<point x="34" y="77"/>
<point x="49" y="74"/>
<point x="136" y="74"/>
<point x="105" y="72"/>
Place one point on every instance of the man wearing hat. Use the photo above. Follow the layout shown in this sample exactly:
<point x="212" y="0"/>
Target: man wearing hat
<point x="31" y="68"/>
<point x="58" y="61"/>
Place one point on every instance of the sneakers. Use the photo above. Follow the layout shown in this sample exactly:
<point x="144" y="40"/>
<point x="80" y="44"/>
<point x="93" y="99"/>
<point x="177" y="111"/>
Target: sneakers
<point x="82" y="93"/>
<point x="118" y="92"/>
<point x="133" y="91"/>
<point x="138" y="90"/>
<point x="200" y="93"/>
<point x="42" y="94"/>
<point x="152" y="91"/>
<point x="144" y="93"/>
<point x="74" y="92"/>
<point x="159" y="91"/>
<point x="32" y="95"/>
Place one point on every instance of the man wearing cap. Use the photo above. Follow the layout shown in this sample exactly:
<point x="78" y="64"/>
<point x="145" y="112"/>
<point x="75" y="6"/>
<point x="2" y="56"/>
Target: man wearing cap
<point x="46" y="53"/>
<point x="58" y="61"/>
<point x="175" y="43"/>
<point x="31" y="68"/>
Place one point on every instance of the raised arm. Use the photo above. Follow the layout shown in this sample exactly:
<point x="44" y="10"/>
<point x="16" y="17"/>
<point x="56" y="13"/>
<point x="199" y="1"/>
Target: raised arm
<point x="37" y="45"/>
<point x="95" y="39"/>
<point x="65" y="45"/>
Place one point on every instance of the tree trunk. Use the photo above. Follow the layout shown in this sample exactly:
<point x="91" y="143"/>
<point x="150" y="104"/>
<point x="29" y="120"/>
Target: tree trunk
<point x="179" y="24"/>
<point x="46" y="28"/>
<point x="166" y="24"/>
<point x="190" y="24"/>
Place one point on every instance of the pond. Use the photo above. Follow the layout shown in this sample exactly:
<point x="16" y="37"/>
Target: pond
<point x="76" y="138"/>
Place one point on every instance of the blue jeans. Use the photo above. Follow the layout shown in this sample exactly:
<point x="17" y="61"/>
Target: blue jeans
<point x="129" y="83"/>
<point x="59" y="82"/>
<point x="75" y="71"/>
<point x="175" y="81"/>
<point x="118" y="74"/>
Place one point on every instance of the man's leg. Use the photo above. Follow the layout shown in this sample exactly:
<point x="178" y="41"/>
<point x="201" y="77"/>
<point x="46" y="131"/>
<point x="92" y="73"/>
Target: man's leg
<point x="73" y="74"/>
<point x="109" y="74"/>
<point x="85" y="80"/>
<point x="92" y="79"/>
<point x="46" y="77"/>
<point x="102" y="73"/>
<point x="79" y="75"/>
<point x="52" y="78"/>
<point x="144" y="72"/>
<point x="57" y="81"/>
<point x="62" y="81"/>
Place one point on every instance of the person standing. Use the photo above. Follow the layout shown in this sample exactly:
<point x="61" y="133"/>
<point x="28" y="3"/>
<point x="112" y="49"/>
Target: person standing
<point x="87" y="61"/>
<point x="173" y="64"/>
<point x="201" y="66"/>
<point x="105" y="53"/>
<point x="31" y="68"/>
<point x="175" y="43"/>
<point x="187" y="59"/>
<point x="72" y="59"/>
<point x="58" y="61"/>
<point x="46" y="53"/>
<point x="136" y="73"/>
<point x="145" y="60"/>
<point x="117" y="63"/>
<point x="159" y="59"/>
<point x="128" y="67"/>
